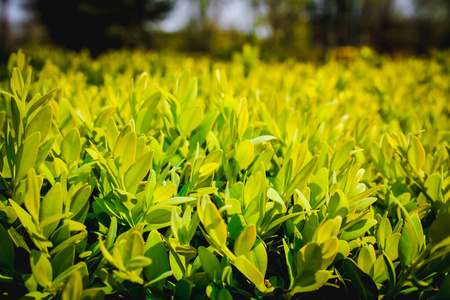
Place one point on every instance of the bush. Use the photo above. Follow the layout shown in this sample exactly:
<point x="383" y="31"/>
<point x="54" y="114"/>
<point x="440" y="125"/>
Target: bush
<point x="152" y="176"/>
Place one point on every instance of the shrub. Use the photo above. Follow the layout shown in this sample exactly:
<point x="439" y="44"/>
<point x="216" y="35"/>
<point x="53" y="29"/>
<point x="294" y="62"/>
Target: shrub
<point x="153" y="176"/>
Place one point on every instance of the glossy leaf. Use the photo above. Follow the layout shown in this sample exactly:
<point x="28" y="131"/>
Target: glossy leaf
<point x="214" y="224"/>
<point x="210" y="264"/>
<point x="190" y="119"/>
<point x="251" y="272"/>
<point x="6" y="249"/>
<point x="416" y="154"/>
<point x="245" y="154"/>
<point x="26" y="155"/>
<point x="41" y="268"/>
<point x="245" y="240"/>
<point x="73" y="287"/>
<point x="71" y="146"/>
<point x="360" y="280"/>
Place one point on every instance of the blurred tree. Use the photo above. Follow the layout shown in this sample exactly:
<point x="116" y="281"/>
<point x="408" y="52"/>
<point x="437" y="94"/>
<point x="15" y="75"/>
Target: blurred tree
<point x="199" y="29"/>
<point x="434" y="23"/>
<point x="376" y="24"/>
<point x="288" y="20"/>
<point x="98" y="24"/>
<point x="4" y="23"/>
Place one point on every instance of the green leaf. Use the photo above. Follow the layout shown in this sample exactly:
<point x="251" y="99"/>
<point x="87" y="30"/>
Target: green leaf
<point x="245" y="240"/>
<point x="71" y="146"/>
<point x="207" y="169"/>
<point x="280" y="220"/>
<point x="112" y="233"/>
<point x="161" y="214"/>
<point x="439" y="231"/>
<point x="328" y="230"/>
<point x="93" y="294"/>
<point x="318" y="186"/>
<point x="383" y="231"/>
<point x="138" y="171"/>
<point x="26" y="156"/>
<point x="309" y="258"/>
<point x="24" y="218"/>
<point x="251" y="272"/>
<point x="262" y="139"/>
<point x="163" y="193"/>
<point x="392" y="243"/>
<point x="273" y="195"/>
<point x="214" y="224"/>
<point x="344" y="250"/>
<point x="17" y="84"/>
<point x="104" y="116"/>
<point x="341" y="156"/>
<point x="358" y="229"/>
<point x="40" y="123"/>
<point x="36" y="102"/>
<point x="183" y="289"/>
<point x="308" y="282"/>
<point x="330" y="249"/>
<point x="51" y="206"/>
<point x="44" y="150"/>
<point x="125" y="151"/>
<point x="175" y="224"/>
<point x="224" y="294"/>
<point x="107" y="255"/>
<point x="112" y="134"/>
<point x="392" y="277"/>
<point x="80" y="198"/>
<point x="338" y="205"/>
<point x="360" y="280"/>
<point x="210" y="264"/>
<point x="366" y="259"/>
<point x="134" y="246"/>
<point x="79" y="267"/>
<point x="157" y="252"/>
<point x="6" y="249"/>
<point x="63" y="260"/>
<point x="444" y="289"/>
<point x="137" y="262"/>
<point x="41" y="268"/>
<point x="242" y="122"/>
<point x="32" y="195"/>
<point x="361" y="196"/>
<point x="258" y="257"/>
<point x="302" y="176"/>
<point x="433" y="186"/>
<point x="245" y="153"/>
<point x="190" y="119"/>
<point x="73" y="287"/>
<point x="416" y="154"/>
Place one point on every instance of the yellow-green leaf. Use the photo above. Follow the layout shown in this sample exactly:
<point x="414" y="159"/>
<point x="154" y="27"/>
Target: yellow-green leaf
<point x="245" y="240"/>
<point x="416" y="154"/>
<point x="71" y="146"/>
<point x="125" y="151"/>
<point x="26" y="155"/>
<point x="251" y="272"/>
<point x="163" y="193"/>
<point x="32" y="195"/>
<point x="40" y="123"/>
<point x="138" y="171"/>
<point x="73" y="288"/>
<point x="245" y="153"/>
<point x="190" y="119"/>
<point x="214" y="224"/>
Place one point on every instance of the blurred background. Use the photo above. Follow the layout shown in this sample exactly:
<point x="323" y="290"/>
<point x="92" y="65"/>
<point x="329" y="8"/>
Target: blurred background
<point x="302" y="29"/>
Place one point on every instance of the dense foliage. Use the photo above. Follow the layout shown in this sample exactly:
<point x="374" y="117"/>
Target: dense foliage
<point x="156" y="176"/>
